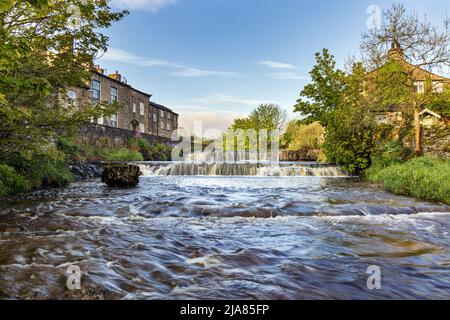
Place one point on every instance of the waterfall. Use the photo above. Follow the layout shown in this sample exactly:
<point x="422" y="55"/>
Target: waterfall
<point x="240" y="169"/>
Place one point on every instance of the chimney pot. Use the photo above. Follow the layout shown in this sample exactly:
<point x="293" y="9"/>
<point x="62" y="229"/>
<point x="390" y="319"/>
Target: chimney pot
<point x="396" y="54"/>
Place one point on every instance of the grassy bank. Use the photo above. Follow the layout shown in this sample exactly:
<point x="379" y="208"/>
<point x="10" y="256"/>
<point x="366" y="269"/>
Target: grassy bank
<point x="50" y="170"/>
<point x="423" y="178"/>
<point x="25" y="176"/>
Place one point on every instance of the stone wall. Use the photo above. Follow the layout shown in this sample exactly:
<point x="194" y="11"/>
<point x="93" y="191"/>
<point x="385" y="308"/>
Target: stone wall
<point x="108" y="137"/>
<point x="300" y="155"/>
<point x="436" y="141"/>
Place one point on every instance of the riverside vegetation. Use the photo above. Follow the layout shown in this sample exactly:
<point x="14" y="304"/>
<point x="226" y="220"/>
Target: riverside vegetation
<point x="23" y="176"/>
<point x="40" y="61"/>
<point x="43" y="54"/>
<point x="346" y="106"/>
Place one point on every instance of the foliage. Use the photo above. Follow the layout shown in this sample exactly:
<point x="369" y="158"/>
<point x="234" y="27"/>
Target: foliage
<point x="299" y="136"/>
<point x="122" y="155"/>
<point x="48" y="174"/>
<point x="43" y="54"/>
<point x="440" y="104"/>
<point x="265" y="117"/>
<point x="390" y="153"/>
<point x="151" y="152"/>
<point x="423" y="177"/>
<point x="350" y="129"/>
<point x="319" y="98"/>
<point x="391" y="87"/>
<point x="11" y="183"/>
<point x="69" y="148"/>
<point x="46" y="170"/>
<point x="425" y="46"/>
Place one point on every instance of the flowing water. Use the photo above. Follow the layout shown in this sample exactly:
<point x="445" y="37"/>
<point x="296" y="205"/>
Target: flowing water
<point x="264" y="169"/>
<point x="272" y="236"/>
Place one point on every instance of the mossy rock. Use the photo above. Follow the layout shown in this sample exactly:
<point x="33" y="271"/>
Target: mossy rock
<point x="121" y="175"/>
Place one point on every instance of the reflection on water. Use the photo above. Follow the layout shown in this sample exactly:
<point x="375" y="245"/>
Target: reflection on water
<point x="224" y="238"/>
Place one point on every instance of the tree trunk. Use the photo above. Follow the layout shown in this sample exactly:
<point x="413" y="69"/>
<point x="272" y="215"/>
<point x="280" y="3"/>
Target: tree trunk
<point x="418" y="131"/>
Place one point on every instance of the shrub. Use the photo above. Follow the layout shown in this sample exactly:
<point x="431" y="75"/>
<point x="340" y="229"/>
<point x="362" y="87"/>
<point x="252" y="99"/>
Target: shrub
<point x="391" y="153"/>
<point x="441" y="105"/>
<point x="303" y="137"/>
<point x="424" y="178"/>
<point x="47" y="174"/>
<point x="122" y="155"/>
<point x="10" y="182"/>
<point x="69" y="148"/>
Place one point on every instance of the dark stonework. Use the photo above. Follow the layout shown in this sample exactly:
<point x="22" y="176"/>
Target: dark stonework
<point x="95" y="134"/>
<point x="300" y="155"/>
<point x="85" y="171"/>
<point x="121" y="175"/>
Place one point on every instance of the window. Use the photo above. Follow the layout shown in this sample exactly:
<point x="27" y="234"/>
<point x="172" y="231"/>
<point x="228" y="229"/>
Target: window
<point x="168" y="115"/>
<point x="141" y="108"/>
<point x="141" y="127"/>
<point x="438" y="87"/>
<point x="162" y="125"/>
<point x="114" y="120"/>
<point x="162" y="114"/>
<point x="419" y="87"/>
<point x="134" y="107"/>
<point x="169" y="127"/>
<point x="114" y="95"/>
<point x="95" y="90"/>
<point x="154" y="117"/>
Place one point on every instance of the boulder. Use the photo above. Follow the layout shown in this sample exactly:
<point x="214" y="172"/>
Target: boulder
<point x="121" y="175"/>
<point x="84" y="171"/>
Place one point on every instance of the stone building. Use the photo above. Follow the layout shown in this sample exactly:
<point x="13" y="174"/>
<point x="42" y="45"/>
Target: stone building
<point x="138" y="113"/>
<point x="419" y="76"/>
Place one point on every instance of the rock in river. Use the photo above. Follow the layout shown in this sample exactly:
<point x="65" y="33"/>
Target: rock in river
<point x="121" y="175"/>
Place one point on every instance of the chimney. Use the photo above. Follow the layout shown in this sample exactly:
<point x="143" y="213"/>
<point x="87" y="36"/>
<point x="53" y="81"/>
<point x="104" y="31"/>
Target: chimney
<point x="116" y="76"/>
<point x="396" y="53"/>
<point x="99" y="69"/>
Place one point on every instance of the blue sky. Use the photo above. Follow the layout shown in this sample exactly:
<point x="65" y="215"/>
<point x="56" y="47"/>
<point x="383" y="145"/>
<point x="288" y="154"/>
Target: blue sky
<point x="215" y="60"/>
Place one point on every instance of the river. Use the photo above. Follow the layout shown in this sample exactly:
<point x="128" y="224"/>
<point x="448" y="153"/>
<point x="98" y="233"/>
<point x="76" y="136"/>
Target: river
<point x="272" y="234"/>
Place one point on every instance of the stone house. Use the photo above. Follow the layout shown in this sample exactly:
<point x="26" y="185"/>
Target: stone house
<point x="393" y="114"/>
<point x="138" y="113"/>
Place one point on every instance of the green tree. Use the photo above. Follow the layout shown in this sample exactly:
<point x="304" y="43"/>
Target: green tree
<point x="319" y="98"/>
<point x="299" y="136"/>
<point x="46" y="47"/>
<point x="350" y="128"/>
<point x="265" y="117"/>
<point x="268" y="117"/>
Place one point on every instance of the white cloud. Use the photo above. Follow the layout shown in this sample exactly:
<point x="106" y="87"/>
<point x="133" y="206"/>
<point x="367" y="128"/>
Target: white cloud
<point x="123" y="56"/>
<point x="119" y="55"/>
<point x="216" y="112"/>
<point x="278" y="65"/>
<point x="189" y="72"/>
<point x="147" y="5"/>
<point x="213" y="123"/>
<point x="221" y="99"/>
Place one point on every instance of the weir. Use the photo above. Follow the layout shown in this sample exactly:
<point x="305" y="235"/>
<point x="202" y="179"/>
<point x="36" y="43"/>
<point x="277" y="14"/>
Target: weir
<point x="241" y="169"/>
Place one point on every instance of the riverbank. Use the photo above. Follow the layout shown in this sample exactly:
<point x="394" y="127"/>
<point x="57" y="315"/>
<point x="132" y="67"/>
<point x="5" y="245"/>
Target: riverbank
<point x="71" y="160"/>
<point x="425" y="178"/>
